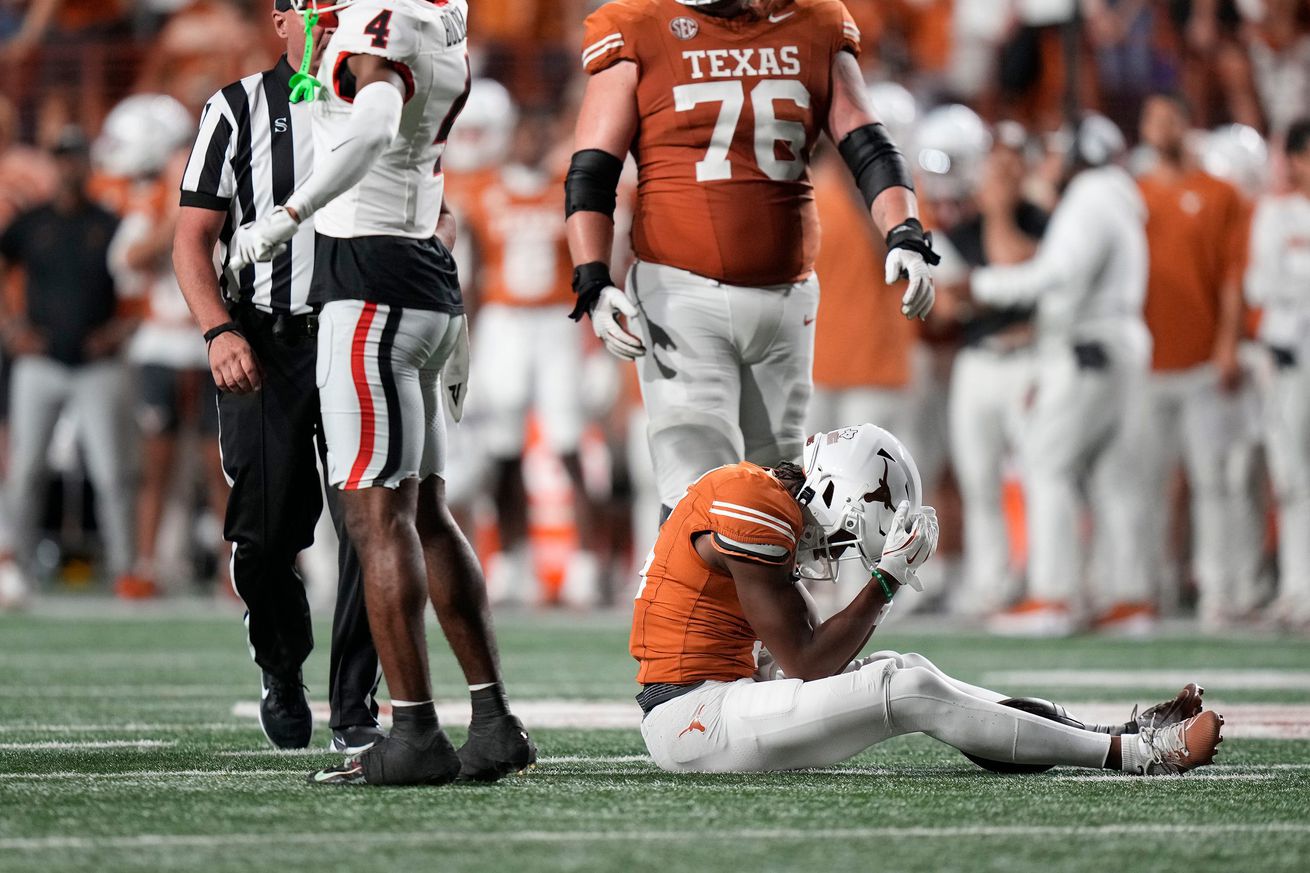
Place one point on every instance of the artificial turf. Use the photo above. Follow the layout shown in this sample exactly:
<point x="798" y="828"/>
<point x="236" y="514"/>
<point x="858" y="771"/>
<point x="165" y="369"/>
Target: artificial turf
<point x="119" y="751"/>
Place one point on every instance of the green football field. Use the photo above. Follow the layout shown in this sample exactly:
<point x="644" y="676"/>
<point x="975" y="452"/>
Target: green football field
<point x="126" y="743"/>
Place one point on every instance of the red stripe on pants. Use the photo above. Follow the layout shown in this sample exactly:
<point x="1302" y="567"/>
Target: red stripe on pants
<point x="367" y="419"/>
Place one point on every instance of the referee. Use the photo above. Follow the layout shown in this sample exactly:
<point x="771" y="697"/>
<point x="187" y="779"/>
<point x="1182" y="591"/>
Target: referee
<point x="254" y="148"/>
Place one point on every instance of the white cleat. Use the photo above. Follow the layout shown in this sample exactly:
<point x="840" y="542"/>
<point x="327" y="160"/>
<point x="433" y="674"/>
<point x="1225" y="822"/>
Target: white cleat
<point x="1175" y="749"/>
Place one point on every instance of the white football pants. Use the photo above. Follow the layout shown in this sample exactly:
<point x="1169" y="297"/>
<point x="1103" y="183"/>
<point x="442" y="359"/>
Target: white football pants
<point x="1189" y="419"/>
<point x="988" y="390"/>
<point x="787" y="724"/>
<point x="1288" y="427"/>
<point x="99" y="396"/>
<point x="1083" y="429"/>
<point x="379" y="386"/>
<point x="526" y="358"/>
<point x="726" y="375"/>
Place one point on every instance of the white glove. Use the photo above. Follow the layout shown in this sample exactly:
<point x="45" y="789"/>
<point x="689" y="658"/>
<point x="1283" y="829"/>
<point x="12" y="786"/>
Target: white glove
<point x="262" y="240"/>
<point x="910" y="543"/>
<point x="919" y="294"/>
<point x="604" y="321"/>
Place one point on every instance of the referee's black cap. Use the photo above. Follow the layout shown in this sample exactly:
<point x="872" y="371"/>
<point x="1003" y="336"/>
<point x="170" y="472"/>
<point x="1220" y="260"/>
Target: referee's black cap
<point x="282" y="5"/>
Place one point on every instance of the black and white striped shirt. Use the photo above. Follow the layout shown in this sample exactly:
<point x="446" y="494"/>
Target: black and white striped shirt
<point x="254" y="148"/>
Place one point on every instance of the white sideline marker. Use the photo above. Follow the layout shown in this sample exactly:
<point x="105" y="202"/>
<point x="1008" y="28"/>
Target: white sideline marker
<point x="1166" y="680"/>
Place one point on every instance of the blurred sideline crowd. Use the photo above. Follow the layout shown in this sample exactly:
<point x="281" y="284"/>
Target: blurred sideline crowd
<point x="108" y="457"/>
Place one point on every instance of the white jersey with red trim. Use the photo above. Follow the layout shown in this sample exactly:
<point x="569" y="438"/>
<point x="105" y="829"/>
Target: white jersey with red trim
<point x="427" y="43"/>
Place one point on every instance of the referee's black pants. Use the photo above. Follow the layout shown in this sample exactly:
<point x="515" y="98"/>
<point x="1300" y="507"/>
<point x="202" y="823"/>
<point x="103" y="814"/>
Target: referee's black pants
<point x="269" y="439"/>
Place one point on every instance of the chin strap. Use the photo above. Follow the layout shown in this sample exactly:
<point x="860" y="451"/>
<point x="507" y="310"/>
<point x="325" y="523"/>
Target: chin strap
<point x="304" y="87"/>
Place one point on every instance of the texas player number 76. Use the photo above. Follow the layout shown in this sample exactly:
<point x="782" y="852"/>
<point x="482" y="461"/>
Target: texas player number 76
<point x="769" y="129"/>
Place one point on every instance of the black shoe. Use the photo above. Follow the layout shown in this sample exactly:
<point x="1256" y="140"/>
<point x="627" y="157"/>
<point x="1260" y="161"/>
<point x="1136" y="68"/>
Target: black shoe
<point x="355" y="738"/>
<point x="496" y="748"/>
<point x="394" y="761"/>
<point x="284" y="712"/>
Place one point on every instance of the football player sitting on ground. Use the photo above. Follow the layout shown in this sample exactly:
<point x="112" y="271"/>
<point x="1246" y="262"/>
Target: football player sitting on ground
<point x="723" y="575"/>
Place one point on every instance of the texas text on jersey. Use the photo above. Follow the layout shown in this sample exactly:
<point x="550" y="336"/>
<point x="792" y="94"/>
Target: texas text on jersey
<point x="730" y="109"/>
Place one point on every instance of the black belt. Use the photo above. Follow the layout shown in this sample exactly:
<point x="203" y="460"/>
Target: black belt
<point x="284" y="326"/>
<point x="654" y="694"/>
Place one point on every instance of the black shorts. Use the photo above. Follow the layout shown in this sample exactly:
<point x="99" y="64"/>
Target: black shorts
<point x="170" y="396"/>
<point x="398" y="271"/>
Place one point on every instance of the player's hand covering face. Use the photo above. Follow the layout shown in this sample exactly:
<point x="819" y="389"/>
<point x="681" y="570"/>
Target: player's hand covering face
<point x="911" y="541"/>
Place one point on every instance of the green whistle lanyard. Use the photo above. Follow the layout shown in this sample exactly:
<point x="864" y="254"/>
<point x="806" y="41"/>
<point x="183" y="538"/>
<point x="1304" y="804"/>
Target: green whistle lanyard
<point x="304" y="87"/>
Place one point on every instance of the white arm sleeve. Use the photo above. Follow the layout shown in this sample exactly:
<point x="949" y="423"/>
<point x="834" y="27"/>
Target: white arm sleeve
<point x="374" y="123"/>
<point x="1266" y="281"/>
<point x="1071" y="246"/>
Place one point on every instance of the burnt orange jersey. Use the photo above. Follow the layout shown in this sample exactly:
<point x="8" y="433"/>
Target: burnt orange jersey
<point x="517" y="220"/>
<point x="1193" y="228"/>
<point x="688" y="625"/>
<point x="729" y="112"/>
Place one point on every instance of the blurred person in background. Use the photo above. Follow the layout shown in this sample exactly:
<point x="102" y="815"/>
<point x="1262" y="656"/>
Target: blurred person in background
<point x="1277" y="43"/>
<point x="1278" y="279"/>
<point x="203" y="45"/>
<point x="1239" y="155"/>
<point x="1087" y="282"/>
<point x="67" y="342"/>
<point x="856" y="379"/>
<point x="254" y="147"/>
<point x="1194" y="228"/>
<point x="528" y="355"/>
<point x="993" y="368"/>
<point x="145" y="141"/>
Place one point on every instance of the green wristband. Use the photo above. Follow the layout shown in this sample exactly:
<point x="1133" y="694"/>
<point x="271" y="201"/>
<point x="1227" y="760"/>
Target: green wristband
<point x="886" y="589"/>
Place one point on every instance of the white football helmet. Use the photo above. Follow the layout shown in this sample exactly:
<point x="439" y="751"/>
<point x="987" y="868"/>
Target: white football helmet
<point x="140" y="134"/>
<point x="952" y="141"/>
<point x="1237" y="154"/>
<point x="482" y="134"/>
<point x="855" y="478"/>
<point x="897" y="109"/>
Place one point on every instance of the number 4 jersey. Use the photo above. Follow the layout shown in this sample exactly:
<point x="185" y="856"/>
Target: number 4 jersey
<point x="426" y="43"/>
<point x="730" y="109"/>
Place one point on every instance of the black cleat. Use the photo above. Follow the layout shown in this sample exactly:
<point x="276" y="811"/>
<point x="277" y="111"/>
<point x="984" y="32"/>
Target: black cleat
<point x="496" y="748"/>
<point x="1184" y="705"/>
<point x="284" y="712"/>
<point x="394" y="761"/>
<point x="355" y="738"/>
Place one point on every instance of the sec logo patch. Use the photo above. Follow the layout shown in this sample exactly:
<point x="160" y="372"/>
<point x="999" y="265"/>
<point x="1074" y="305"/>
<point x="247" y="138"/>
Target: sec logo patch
<point x="684" y="28"/>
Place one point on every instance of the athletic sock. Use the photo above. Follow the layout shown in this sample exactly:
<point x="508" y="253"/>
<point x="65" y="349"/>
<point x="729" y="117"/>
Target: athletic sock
<point x="413" y="720"/>
<point x="1133" y="754"/>
<point x="489" y="702"/>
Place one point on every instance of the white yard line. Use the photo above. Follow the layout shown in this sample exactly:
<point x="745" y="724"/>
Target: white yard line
<point x="466" y="838"/>
<point x="139" y="775"/>
<point x="1166" y="680"/>
<point x="85" y="745"/>
<point x="122" y="727"/>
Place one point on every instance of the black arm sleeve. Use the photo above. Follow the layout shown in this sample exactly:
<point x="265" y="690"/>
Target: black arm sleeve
<point x="875" y="161"/>
<point x="592" y="183"/>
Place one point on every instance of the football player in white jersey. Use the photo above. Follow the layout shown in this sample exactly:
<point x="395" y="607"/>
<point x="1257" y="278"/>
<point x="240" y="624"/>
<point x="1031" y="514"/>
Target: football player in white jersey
<point x="395" y="75"/>
<point x="1278" y="279"/>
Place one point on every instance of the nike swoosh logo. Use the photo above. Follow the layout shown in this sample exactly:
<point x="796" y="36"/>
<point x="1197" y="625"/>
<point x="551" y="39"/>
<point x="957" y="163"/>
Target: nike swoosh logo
<point x="775" y="18"/>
